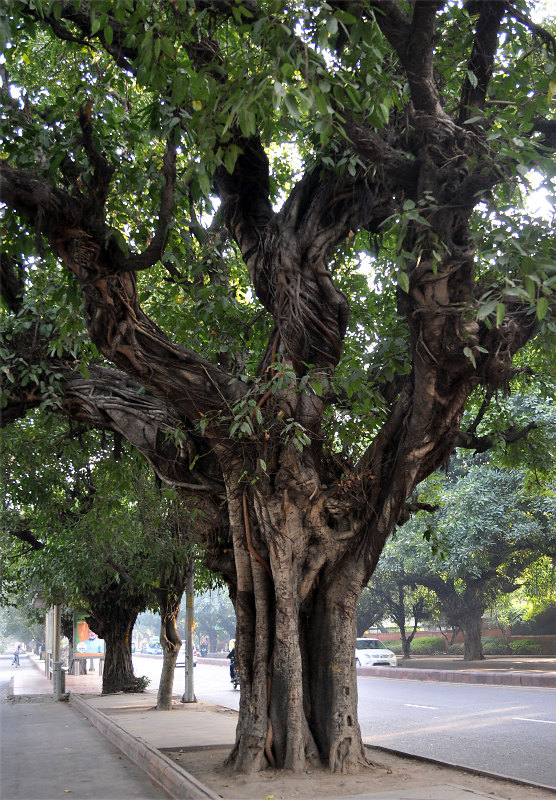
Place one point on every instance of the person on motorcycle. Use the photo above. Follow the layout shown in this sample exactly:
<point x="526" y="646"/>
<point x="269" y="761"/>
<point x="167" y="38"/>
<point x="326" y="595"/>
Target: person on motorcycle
<point x="232" y="656"/>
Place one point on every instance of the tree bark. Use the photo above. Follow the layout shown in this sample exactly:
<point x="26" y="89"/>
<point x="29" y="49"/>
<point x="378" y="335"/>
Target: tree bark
<point x="171" y="643"/>
<point x="113" y="616"/>
<point x="472" y="627"/>
<point x="295" y="641"/>
<point x="116" y="630"/>
<point x="173" y="582"/>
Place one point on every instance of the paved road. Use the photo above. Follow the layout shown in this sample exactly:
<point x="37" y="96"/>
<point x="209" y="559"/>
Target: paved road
<point x="500" y="729"/>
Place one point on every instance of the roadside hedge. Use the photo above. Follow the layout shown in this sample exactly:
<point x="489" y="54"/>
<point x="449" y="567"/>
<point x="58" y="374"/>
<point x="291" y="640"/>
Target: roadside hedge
<point x="525" y="647"/>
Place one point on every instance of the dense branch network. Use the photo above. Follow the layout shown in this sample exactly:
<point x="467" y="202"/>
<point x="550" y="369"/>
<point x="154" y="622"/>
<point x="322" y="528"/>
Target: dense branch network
<point x="286" y="252"/>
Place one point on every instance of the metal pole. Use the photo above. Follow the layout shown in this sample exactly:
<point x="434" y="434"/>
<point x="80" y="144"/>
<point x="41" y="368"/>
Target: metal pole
<point x="58" y="675"/>
<point x="56" y="631"/>
<point x="189" y="694"/>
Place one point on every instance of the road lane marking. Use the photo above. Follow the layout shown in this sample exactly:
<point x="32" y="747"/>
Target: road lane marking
<point x="414" y="705"/>
<point x="527" y="719"/>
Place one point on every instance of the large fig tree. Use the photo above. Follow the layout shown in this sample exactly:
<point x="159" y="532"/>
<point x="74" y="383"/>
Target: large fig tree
<point x="294" y="234"/>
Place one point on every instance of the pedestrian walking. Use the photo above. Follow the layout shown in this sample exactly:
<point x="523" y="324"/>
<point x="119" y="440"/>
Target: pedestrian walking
<point x="15" y="660"/>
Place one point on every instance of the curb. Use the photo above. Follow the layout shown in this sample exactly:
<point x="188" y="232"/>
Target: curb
<point x="172" y="779"/>
<point x="452" y="765"/>
<point x="492" y="678"/>
<point x="540" y="680"/>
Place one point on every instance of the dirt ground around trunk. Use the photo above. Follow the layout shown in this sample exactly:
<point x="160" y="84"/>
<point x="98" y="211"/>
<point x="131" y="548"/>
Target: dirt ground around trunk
<point x="387" y="772"/>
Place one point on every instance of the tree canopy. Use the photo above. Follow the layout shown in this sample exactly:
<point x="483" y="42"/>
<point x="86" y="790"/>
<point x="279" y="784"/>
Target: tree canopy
<point x="280" y="247"/>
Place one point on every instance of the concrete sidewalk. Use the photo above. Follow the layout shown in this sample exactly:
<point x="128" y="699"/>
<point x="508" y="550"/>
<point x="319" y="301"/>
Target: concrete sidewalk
<point x="48" y="751"/>
<point x="131" y="724"/>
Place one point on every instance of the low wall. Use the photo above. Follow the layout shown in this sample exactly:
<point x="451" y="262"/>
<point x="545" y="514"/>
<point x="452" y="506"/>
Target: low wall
<point x="548" y="643"/>
<point x="492" y="633"/>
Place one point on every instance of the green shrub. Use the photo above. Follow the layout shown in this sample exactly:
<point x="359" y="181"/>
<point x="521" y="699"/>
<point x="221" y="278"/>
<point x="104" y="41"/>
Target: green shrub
<point x="395" y="647"/>
<point x="456" y="649"/>
<point x="494" y="646"/>
<point x="526" y="647"/>
<point x="428" y="645"/>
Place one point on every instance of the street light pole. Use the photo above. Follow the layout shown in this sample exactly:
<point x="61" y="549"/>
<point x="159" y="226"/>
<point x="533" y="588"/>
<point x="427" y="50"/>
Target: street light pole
<point x="189" y="694"/>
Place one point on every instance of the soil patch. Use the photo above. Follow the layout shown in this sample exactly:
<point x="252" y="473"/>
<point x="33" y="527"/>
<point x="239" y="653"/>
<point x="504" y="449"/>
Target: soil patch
<point x="386" y="772"/>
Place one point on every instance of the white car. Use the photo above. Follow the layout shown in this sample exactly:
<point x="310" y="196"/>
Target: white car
<point x="373" y="653"/>
<point x="182" y="655"/>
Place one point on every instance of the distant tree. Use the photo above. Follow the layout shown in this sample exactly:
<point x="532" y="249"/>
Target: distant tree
<point x="74" y="526"/>
<point x="369" y="611"/>
<point x="215" y="616"/>
<point x="21" y="623"/>
<point x="406" y="604"/>
<point x="490" y="529"/>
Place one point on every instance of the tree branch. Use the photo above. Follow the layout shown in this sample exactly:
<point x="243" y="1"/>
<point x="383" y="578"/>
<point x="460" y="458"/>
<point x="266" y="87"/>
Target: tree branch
<point x="481" y="61"/>
<point x="81" y="18"/>
<point x="413" y="41"/>
<point x="155" y="249"/>
<point x="102" y="170"/>
<point x="393" y="22"/>
<point x="373" y="150"/>
<point x="43" y="205"/>
<point x="245" y="196"/>
<point x="547" y="39"/>
<point x="11" y="282"/>
<point x="480" y="444"/>
<point x="412" y="508"/>
<point x="25" y="535"/>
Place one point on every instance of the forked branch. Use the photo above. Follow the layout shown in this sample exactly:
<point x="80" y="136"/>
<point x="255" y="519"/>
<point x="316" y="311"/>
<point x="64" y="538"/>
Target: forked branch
<point x="155" y="249"/>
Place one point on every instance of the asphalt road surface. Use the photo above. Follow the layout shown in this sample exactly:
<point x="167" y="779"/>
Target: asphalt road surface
<point x="501" y="729"/>
<point x="504" y="730"/>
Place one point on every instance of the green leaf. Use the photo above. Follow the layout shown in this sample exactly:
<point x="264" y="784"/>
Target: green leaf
<point x="468" y="353"/>
<point x="246" y="120"/>
<point x="500" y="313"/>
<point x="291" y="105"/>
<point x="542" y="307"/>
<point x="403" y="281"/>
<point x="179" y="88"/>
<point x="345" y="17"/>
<point x="317" y="387"/>
<point x="487" y="309"/>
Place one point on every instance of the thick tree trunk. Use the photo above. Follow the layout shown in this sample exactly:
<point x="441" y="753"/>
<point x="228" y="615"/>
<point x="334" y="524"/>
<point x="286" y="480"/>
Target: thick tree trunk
<point x="406" y="643"/>
<point x="118" y="673"/>
<point x="295" y="642"/>
<point x="331" y="678"/>
<point x="298" y="679"/>
<point x="473" y="647"/>
<point x="114" y="613"/>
